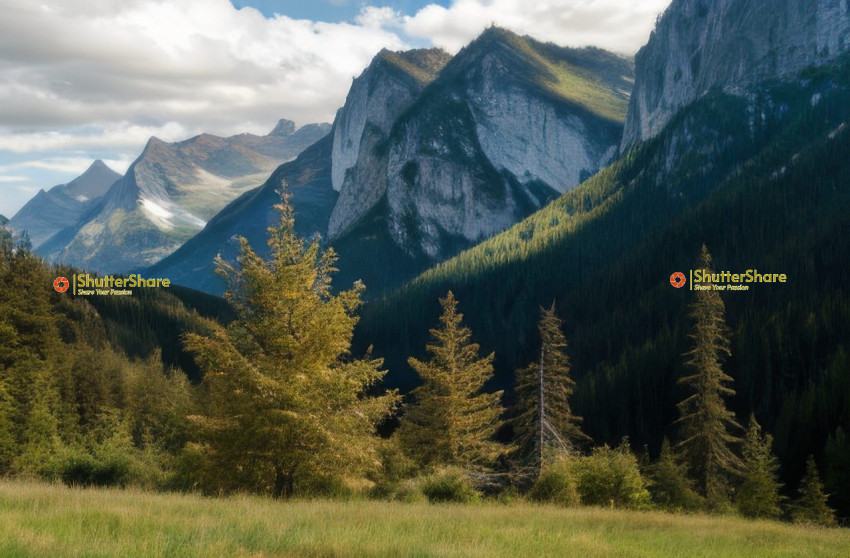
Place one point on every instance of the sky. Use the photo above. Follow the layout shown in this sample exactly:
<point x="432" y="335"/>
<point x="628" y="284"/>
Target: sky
<point x="83" y="80"/>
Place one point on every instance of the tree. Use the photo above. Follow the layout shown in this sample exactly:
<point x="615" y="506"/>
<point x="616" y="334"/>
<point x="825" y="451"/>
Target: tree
<point x="285" y="402"/>
<point x="544" y="422"/>
<point x="705" y="438"/>
<point x="759" y="496"/>
<point x="451" y="421"/>
<point x="669" y="483"/>
<point x="811" y="507"/>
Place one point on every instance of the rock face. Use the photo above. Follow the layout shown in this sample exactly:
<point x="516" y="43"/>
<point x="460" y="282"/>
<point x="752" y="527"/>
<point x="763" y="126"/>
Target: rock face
<point x="169" y="193"/>
<point x="376" y="99"/>
<point x="509" y="124"/>
<point x="62" y="206"/>
<point x="703" y="44"/>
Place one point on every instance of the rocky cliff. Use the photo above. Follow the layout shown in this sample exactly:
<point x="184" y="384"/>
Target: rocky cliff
<point x="509" y="124"/>
<point x="703" y="44"/>
<point x="376" y="99"/>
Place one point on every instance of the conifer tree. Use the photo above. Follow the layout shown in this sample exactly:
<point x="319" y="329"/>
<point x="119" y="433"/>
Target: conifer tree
<point x="285" y="402"/>
<point x="759" y="496"/>
<point x="452" y="422"/>
<point x="669" y="483"/>
<point x="705" y="440"/>
<point x="812" y="506"/>
<point x="545" y="422"/>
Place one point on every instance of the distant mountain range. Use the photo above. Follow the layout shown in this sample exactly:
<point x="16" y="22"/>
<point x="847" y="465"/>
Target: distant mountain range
<point x="62" y="206"/>
<point x="431" y="154"/>
<point x="169" y="193"/>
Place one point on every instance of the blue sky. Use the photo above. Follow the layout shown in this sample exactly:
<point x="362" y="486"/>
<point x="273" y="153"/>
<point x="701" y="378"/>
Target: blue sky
<point x="82" y="80"/>
<point x="332" y="11"/>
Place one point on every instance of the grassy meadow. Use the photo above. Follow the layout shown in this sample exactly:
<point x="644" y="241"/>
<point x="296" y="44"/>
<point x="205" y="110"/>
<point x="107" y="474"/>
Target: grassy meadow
<point x="38" y="519"/>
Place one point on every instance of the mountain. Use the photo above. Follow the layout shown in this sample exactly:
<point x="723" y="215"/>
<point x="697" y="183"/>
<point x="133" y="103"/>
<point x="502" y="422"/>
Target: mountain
<point x="427" y="159"/>
<point x="62" y="206"/>
<point x="169" y="193"/>
<point x="509" y="124"/>
<point x="700" y="45"/>
<point x="308" y="179"/>
<point x="3" y="220"/>
<point x="763" y="180"/>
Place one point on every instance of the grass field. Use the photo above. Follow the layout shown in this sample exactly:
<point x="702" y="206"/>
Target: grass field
<point x="44" y="520"/>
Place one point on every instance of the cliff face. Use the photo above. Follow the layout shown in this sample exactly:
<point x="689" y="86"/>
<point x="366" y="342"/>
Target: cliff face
<point x="703" y="44"/>
<point x="376" y="99"/>
<point x="507" y="125"/>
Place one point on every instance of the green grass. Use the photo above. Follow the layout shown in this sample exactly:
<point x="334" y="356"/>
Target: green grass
<point x="44" y="520"/>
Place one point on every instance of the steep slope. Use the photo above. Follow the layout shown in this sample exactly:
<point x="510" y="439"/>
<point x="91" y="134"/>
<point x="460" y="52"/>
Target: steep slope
<point x="508" y="125"/>
<point x="769" y="194"/>
<point x="169" y="193"/>
<point x="62" y="206"/>
<point x="699" y="45"/>
<point x="307" y="179"/>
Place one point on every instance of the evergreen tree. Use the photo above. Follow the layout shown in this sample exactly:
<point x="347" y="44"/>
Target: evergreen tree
<point x="452" y="422"/>
<point x="705" y="438"/>
<point x="759" y="496"/>
<point x="544" y="422"/>
<point x="285" y="402"/>
<point x="812" y="507"/>
<point x="669" y="483"/>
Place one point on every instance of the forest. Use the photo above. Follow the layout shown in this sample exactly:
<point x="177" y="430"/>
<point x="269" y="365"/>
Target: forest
<point x="282" y="406"/>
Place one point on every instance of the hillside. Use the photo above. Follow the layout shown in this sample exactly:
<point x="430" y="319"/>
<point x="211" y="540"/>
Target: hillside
<point x="760" y="193"/>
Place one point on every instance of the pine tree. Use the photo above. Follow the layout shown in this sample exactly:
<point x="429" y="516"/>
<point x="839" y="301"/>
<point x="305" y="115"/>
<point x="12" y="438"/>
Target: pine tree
<point x="544" y="422"/>
<point x="451" y="421"/>
<point x="759" y="496"/>
<point x="812" y="505"/>
<point x="669" y="483"/>
<point x="705" y="438"/>
<point x="285" y="402"/>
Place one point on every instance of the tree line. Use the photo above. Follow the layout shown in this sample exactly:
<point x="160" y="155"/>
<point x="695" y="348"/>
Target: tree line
<point x="284" y="408"/>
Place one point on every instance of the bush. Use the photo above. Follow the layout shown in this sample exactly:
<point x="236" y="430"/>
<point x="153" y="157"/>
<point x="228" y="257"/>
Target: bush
<point x="556" y="485"/>
<point x="610" y="477"/>
<point x="449" y="485"/>
<point x="79" y="468"/>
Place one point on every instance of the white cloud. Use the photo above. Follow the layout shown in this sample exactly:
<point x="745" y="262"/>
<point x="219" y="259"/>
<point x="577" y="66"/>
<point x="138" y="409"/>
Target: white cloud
<point x="618" y="25"/>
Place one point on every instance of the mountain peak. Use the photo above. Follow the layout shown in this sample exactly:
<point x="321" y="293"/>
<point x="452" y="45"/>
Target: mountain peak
<point x="283" y="128"/>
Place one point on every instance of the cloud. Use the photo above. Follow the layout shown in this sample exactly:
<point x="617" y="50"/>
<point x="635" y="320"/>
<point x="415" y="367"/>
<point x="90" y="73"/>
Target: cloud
<point x="621" y="26"/>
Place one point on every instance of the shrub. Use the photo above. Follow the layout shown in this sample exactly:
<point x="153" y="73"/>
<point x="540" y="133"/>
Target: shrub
<point x="449" y="485"/>
<point x="556" y="485"/>
<point x="610" y="477"/>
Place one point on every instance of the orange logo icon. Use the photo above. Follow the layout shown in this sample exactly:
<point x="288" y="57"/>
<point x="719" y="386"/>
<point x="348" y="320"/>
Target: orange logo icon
<point x="61" y="284"/>
<point x="678" y="279"/>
